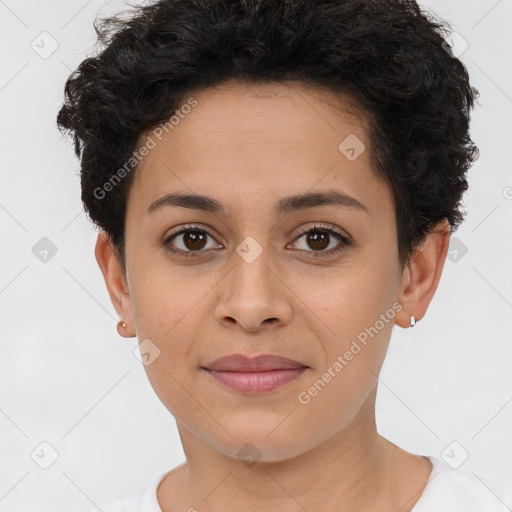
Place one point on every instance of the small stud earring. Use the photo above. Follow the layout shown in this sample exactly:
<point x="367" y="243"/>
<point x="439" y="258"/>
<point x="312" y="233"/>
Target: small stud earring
<point x="121" y="329"/>
<point x="413" y="321"/>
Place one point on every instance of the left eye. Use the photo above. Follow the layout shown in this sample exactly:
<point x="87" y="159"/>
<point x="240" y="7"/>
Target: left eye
<point x="319" y="240"/>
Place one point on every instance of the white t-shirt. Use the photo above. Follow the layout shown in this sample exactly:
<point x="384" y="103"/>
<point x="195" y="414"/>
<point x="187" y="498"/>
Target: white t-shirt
<point x="447" y="490"/>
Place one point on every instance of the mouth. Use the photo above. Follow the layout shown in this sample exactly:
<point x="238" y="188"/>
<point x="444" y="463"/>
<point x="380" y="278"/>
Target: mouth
<point x="253" y="375"/>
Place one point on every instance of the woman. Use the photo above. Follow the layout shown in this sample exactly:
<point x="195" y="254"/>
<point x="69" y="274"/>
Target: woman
<point x="276" y="183"/>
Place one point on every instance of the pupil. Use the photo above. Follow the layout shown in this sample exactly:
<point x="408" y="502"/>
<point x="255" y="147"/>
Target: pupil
<point x="313" y="238"/>
<point x="194" y="240"/>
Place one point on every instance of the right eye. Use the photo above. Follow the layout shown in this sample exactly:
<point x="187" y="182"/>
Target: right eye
<point x="191" y="239"/>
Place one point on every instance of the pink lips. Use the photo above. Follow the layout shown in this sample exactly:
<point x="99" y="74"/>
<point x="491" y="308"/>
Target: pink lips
<point x="254" y="374"/>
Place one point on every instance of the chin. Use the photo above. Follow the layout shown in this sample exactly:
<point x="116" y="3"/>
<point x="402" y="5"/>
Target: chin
<point x="256" y="445"/>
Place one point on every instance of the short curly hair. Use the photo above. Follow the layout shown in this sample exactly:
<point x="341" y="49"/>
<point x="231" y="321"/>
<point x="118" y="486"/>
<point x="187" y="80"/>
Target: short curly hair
<point x="388" y="54"/>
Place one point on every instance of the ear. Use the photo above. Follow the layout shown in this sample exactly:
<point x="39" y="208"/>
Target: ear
<point x="421" y="276"/>
<point x="116" y="282"/>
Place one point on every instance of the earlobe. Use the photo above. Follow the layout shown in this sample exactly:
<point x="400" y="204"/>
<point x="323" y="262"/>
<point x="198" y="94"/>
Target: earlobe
<point x="123" y="331"/>
<point x="115" y="281"/>
<point x="421" y="277"/>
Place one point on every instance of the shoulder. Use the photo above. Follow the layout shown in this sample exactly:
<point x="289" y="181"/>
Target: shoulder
<point x="450" y="490"/>
<point x="142" y="500"/>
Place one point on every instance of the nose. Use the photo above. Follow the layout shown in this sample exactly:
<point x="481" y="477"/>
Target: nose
<point x="253" y="295"/>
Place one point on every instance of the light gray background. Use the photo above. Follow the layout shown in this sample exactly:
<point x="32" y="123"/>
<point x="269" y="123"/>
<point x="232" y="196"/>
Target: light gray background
<point x="67" y="378"/>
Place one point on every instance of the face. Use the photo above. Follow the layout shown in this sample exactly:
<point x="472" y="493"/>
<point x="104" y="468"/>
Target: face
<point x="255" y="267"/>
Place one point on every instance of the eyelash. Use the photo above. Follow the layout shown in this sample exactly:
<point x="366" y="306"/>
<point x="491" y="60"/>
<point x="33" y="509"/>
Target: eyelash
<point x="344" y="241"/>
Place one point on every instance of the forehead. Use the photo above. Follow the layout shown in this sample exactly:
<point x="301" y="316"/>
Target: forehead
<point x="244" y="111"/>
<point x="245" y="140"/>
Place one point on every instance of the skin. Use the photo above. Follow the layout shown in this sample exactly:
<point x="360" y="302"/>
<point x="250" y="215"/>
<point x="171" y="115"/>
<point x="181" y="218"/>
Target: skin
<point x="247" y="146"/>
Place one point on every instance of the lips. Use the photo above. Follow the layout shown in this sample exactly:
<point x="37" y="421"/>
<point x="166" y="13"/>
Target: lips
<point x="261" y="363"/>
<point x="254" y="375"/>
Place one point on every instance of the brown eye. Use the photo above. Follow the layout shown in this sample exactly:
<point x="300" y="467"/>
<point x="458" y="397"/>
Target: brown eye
<point x="317" y="240"/>
<point x="321" y="241"/>
<point x="194" y="240"/>
<point x="188" y="241"/>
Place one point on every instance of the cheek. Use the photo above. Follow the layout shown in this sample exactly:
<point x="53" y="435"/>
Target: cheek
<point x="357" y="306"/>
<point x="352" y="298"/>
<point x="167" y="312"/>
<point x="171" y="307"/>
<point x="164" y="296"/>
<point x="361" y="315"/>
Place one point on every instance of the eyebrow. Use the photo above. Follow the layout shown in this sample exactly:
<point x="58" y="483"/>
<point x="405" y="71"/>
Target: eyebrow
<point x="283" y="206"/>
